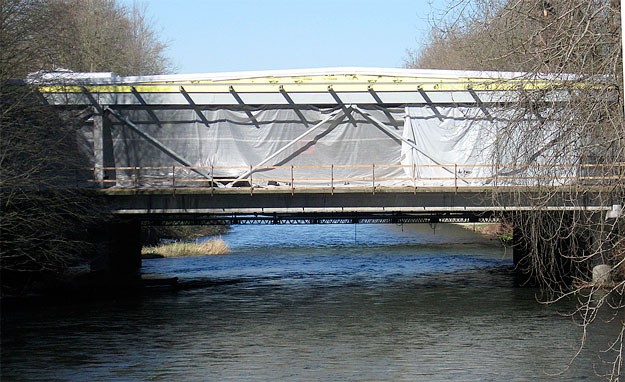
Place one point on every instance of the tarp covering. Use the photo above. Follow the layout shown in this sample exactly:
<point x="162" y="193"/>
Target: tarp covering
<point x="462" y="138"/>
<point x="342" y="146"/>
<point x="475" y="146"/>
<point x="321" y="127"/>
<point x="231" y="140"/>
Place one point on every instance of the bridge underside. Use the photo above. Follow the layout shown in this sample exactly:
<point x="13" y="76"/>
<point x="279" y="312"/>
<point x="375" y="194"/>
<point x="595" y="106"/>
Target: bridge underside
<point x="319" y="218"/>
<point x="322" y="206"/>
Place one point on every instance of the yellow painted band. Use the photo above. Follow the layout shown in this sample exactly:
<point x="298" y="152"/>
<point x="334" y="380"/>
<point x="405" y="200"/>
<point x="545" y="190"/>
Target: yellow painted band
<point x="315" y="87"/>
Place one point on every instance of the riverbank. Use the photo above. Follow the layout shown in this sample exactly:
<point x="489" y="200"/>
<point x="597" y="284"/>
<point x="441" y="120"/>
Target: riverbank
<point x="493" y="231"/>
<point x="154" y="235"/>
<point x="186" y="249"/>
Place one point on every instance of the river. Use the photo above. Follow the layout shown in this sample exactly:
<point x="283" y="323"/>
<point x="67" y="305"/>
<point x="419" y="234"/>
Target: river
<point x="312" y="303"/>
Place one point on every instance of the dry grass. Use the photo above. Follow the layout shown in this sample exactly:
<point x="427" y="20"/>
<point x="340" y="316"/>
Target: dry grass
<point x="209" y="247"/>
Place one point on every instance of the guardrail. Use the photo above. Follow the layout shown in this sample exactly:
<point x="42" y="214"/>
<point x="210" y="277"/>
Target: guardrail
<point x="372" y="176"/>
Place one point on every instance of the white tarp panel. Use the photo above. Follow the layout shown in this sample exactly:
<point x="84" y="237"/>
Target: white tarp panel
<point x="454" y="145"/>
<point x="469" y="147"/>
<point x="232" y="140"/>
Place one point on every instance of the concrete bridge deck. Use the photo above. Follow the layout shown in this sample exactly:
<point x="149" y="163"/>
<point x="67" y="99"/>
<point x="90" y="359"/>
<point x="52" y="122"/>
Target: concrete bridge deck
<point x="344" y="204"/>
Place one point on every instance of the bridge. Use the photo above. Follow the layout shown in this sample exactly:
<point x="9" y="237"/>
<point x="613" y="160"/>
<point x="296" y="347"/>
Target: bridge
<point x="351" y="145"/>
<point x="345" y="204"/>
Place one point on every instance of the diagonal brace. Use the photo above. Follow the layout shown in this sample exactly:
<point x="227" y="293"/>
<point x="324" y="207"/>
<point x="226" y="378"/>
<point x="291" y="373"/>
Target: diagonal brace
<point x="331" y="117"/>
<point x="394" y="134"/>
<point x="156" y="142"/>
<point x="340" y="103"/>
<point x="239" y="100"/>
<point x="194" y="105"/>
<point x="292" y="103"/>
<point x="377" y="99"/>
<point x="141" y="100"/>
<point x="427" y="99"/>
<point x="480" y="104"/>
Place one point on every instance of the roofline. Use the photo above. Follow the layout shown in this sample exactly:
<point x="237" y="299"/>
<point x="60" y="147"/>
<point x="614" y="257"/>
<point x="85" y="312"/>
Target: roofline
<point x="97" y="78"/>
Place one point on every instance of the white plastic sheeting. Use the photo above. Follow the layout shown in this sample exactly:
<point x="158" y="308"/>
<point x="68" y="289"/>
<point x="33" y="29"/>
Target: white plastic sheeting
<point x="459" y="146"/>
<point x="329" y="145"/>
<point x="341" y="146"/>
<point x="470" y="145"/>
<point x="322" y="127"/>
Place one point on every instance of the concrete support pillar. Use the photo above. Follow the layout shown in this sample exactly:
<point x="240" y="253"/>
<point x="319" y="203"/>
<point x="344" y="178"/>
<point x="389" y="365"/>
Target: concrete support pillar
<point x="103" y="150"/>
<point x="126" y="247"/>
<point x="610" y="236"/>
<point x="520" y="257"/>
<point x="118" y="251"/>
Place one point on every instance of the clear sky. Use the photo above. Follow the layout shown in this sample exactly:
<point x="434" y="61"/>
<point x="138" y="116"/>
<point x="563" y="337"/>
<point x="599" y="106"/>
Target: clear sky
<point x="236" y="35"/>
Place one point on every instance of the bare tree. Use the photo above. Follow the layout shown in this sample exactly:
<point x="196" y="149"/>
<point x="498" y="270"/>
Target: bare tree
<point x="42" y="214"/>
<point x="82" y="36"/>
<point x="579" y="40"/>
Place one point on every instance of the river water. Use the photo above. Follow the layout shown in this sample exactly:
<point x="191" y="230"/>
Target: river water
<point x="312" y="303"/>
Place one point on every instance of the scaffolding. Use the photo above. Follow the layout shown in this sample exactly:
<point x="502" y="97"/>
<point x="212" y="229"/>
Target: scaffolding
<point x="412" y="127"/>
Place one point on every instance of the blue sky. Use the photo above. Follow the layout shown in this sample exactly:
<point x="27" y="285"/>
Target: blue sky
<point x="235" y="35"/>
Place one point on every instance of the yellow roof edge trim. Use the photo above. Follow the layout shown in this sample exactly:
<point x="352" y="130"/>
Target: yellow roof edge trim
<point x="247" y="87"/>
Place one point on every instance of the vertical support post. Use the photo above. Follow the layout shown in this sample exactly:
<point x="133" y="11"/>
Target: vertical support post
<point x="373" y="177"/>
<point x="118" y="247"/>
<point x="332" y="179"/>
<point x="292" y="182"/>
<point x="134" y="177"/>
<point x="96" y="176"/>
<point x="98" y="149"/>
<point x="173" y="176"/>
<point x="251" y="181"/>
<point x="414" y="177"/>
<point x="456" y="177"/>
<point x="212" y="179"/>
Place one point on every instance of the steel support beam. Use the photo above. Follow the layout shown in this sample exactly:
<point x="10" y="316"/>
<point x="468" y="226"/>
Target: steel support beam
<point x="147" y="109"/>
<point x="379" y="101"/>
<point x="195" y="107"/>
<point x="292" y="103"/>
<point x="430" y="104"/>
<point x="342" y="105"/>
<point x="239" y="100"/>
<point x="102" y="148"/>
<point x="480" y="104"/>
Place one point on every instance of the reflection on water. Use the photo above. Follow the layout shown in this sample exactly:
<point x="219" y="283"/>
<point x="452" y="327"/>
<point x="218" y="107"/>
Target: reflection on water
<point x="307" y="303"/>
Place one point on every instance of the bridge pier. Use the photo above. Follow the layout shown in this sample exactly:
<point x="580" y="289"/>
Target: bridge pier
<point x="118" y="249"/>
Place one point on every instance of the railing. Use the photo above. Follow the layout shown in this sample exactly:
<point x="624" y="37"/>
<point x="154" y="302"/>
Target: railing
<point x="372" y="176"/>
